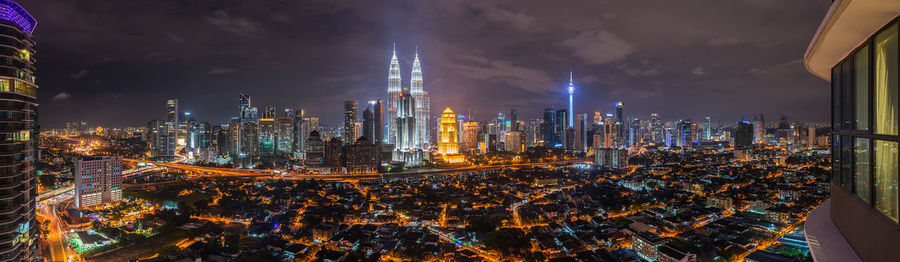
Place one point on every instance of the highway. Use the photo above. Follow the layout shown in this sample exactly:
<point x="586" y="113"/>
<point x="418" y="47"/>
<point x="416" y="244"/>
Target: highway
<point x="270" y="174"/>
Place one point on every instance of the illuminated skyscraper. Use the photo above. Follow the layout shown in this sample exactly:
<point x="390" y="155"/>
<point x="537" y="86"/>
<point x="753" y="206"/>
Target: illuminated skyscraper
<point x="549" y="127"/>
<point x="19" y="134"/>
<point x="581" y="126"/>
<point x="270" y="112"/>
<point x="571" y="106"/>
<point x="406" y="135"/>
<point x="656" y="129"/>
<point x="368" y="122"/>
<point x="562" y="120"/>
<point x="620" y="118"/>
<point x="378" y="111"/>
<point x="98" y="179"/>
<point x="707" y="129"/>
<point x="349" y="133"/>
<point x="759" y="129"/>
<point x="422" y="102"/>
<point x="514" y="119"/>
<point x="248" y="112"/>
<point x="284" y="140"/>
<point x="394" y="90"/>
<point x="743" y="135"/>
<point x="266" y="135"/>
<point x="406" y="150"/>
<point x="448" y="143"/>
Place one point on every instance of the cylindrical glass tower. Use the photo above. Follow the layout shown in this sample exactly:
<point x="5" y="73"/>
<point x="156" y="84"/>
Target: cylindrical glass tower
<point x="18" y="134"/>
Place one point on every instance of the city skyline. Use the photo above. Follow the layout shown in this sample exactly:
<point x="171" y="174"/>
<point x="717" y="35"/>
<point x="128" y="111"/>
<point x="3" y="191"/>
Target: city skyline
<point x="451" y="130"/>
<point x="688" y="78"/>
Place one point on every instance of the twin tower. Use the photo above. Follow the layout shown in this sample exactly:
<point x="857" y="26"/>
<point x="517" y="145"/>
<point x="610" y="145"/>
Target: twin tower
<point x="408" y="108"/>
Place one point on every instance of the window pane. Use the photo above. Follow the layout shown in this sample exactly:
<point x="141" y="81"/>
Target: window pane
<point x="861" y="77"/>
<point x="836" y="97"/>
<point x="836" y="159"/>
<point x="886" y="178"/>
<point x="846" y="168"/>
<point x="861" y="168"/>
<point x="846" y="94"/>
<point x="886" y="81"/>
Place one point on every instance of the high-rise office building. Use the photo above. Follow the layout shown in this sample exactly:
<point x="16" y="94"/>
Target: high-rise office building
<point x="298" y="120"/>
<point x="743" y="135"/>
<point x="759" y="129"/>
<point x="378" y="111"/>
<point x="270" y="112"/>
<point x="685" y="133"/>
<point x="857" y="49"/>
<point x="349" y="133"/>
<point x="581" y="127"/>
<point x="407" y="149"/>
<point x="548" y="127"/>
<point x="406" y="135"/>
<point x="515" y="141"/>
<point x="284" y="136"/>
<point x="562" y="121"/>
<point x="245" y="107"/>
<point x="266" y="135"/>
<point x="315" y="150"/>
<point x="470" y="136"/>
<point x="514" y="119"/>
<point x="707" y="129"/>
<point x="656" y="129"/>
<point x="98" y="180"/>
<point x="172" y="112"/>
<point x="368" y="123"/>
<point x="811" y="138"/>
<point x="611" y="128"/>
<point x="448" y="143"/>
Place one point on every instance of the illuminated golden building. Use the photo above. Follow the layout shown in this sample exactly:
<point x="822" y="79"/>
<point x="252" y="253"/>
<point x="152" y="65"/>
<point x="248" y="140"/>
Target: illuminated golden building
<point x="448" y="146"/>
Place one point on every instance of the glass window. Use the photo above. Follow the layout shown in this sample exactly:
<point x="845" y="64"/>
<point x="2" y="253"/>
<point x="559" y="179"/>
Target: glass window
<point x="836" y="97"/>
<point x="885" y="75"/>
<point x="886" y="168"/>
<point x="836" y="159"/>
<point x="861" y="168"/>
<point x="846" y="94"/>
<point x="846" y="164"/>
<point x="861" y="87"/>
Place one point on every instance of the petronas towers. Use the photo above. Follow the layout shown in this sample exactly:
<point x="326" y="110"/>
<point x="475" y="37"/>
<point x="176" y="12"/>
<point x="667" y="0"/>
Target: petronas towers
<point x="409" y="108"/>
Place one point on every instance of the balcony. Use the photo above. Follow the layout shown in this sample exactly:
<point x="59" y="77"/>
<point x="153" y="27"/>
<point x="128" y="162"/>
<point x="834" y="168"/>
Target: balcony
<point x="826" y="244"/>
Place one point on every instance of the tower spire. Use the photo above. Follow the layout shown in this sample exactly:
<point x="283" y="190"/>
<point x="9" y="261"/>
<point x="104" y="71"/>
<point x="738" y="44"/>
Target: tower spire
<point x="395" y="51"/>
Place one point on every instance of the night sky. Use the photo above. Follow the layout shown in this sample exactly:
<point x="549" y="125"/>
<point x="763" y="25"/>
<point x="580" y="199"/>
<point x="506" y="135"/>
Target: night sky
<point x="114" y="62"/>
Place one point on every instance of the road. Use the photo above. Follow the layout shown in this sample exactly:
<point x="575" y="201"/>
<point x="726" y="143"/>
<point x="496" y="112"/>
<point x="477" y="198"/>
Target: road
<point x="270" y="174"/>
<point x="59" y="250"/>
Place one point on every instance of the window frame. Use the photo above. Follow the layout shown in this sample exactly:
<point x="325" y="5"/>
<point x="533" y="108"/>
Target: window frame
<point x="842" y="133"/>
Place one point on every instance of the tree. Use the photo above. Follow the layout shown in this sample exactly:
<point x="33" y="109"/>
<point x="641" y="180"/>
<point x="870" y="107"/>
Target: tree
<point x="507" y="241"/>
<point x="47" y="181"/>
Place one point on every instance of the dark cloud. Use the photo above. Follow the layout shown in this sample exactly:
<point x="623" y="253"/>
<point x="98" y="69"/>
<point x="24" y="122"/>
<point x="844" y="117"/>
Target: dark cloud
<point x="120" y="60"/>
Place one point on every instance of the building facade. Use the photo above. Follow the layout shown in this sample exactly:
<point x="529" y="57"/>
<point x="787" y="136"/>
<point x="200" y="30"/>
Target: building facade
<point x="448" y="143"/>
<point x="857" y="49"/>
<point x="98" y="180"/>
<point x="19" y="133"/>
